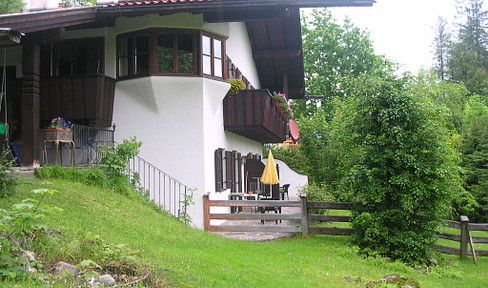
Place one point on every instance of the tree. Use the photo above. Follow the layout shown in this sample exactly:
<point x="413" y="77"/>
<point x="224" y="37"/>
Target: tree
<point x="11" y="6"/>
<point x="442" y="44"/>
<point x="405" y="171"/>
<point x="448" y="94"/>
<point x="468" y="56"/>
<point x="475" y="155"/>
<point x="76" y="3"/>
<point x="331" y="53"/>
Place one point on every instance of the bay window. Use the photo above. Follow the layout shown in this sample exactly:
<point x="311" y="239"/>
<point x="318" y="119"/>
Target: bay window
<point x="176" y="52"/>
<point x="212" y="57"/>
<point x="133" y="55"/>
<point x="170" y="51"/>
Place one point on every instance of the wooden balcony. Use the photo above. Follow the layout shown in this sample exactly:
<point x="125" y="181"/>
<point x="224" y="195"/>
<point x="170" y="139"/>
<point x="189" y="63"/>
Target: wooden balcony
<point x="252" y="115"/>
<point x="86" y="99"/>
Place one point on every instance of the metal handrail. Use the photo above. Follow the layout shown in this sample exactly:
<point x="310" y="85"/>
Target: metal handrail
<point x="164" y="190"/>
<point x="160" y="187"/>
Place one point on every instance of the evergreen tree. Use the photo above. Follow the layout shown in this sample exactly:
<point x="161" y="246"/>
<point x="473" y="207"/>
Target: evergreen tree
<point x="475" y="155"/>
<point x="442" y="44"/>
<point x="468" y="57"/>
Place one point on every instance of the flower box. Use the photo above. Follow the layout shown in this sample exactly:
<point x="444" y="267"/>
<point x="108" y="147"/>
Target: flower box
<point x="56" y="133"/>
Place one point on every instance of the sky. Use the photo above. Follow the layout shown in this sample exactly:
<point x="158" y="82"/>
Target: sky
<point x="403" y="30"/>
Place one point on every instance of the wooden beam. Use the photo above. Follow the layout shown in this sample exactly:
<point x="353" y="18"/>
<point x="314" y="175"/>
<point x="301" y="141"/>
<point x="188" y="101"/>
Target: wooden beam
<point x="47" y="36"/>
<point x="266" y="54"/>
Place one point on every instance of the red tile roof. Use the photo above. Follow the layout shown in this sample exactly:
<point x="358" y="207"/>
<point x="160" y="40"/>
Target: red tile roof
<point x="152" y="2"/>
<point x="296" y="3"/>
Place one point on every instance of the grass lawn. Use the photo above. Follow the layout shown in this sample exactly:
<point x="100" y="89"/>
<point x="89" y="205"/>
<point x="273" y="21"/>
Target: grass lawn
<point x="181" y="256"/>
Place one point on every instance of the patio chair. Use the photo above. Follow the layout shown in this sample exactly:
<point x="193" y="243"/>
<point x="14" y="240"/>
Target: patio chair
<point x="268" y="209"/>
<point x="283" y="191"/>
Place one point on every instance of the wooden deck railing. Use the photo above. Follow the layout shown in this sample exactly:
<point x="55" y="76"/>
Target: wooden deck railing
<point x="88" y="98"/>
<point x="251" y="114"/>
<point x="300" y="221"/>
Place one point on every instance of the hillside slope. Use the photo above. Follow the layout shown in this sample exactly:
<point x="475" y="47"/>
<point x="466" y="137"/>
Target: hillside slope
<point x="181" y="256"/>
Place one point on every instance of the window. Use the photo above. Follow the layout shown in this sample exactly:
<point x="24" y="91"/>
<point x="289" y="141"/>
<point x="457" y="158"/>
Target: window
<point x="212" y="56"/>
<point x="175" y="52"/>
<point x="133" y="55"/>
<point x="170" y="51"/>
<point x="73" y="57"/>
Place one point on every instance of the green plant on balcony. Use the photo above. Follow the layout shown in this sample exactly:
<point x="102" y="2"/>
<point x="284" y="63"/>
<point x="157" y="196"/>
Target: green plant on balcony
<point x="281" y="102"/>
<point x="236" y="85"/>
<point x="59" y="122"/>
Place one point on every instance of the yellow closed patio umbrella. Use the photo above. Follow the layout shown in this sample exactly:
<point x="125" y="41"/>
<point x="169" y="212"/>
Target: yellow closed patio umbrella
<point x="270" y="175"/>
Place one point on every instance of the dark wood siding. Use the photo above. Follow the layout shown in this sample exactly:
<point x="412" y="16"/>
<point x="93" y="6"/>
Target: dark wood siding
<point x="251" y="114"/>
<point x="85" y="100"/>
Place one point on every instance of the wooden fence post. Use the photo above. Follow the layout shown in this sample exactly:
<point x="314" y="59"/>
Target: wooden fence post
<point x="206" y="212"/>
<point x="464" y="236"/>
<point x="304" y="213"/>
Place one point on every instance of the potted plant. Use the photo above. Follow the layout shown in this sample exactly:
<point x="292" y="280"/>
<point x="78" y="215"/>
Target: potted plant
<point x="282" y="105"/>
<point x="59" y="129"/>
<point x="236" y="85"/>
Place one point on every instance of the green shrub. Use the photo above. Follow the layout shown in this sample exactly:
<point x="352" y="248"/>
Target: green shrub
<point x="405" y="170"/>
<point x="51" y="172"/>
<point x="7" y="180"/>
<point x="115" y="159"/>
<point x="236" y="85"/>
<point x="291" y="155"/>
<point x="18" y="228"/>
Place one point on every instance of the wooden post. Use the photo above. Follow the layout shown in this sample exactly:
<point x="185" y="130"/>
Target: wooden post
<point x="304" y="214"/>
<point x="473" y="251"/>
<point x="30" y="104"/>
<point x="206" y="212"/>
<point x="464" y="237"/>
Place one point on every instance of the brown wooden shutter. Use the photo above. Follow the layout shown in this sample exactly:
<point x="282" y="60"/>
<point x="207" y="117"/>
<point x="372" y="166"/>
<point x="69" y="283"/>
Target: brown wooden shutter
<point x="229" y="171"/>
<point x="219" y="175"/>
<point x="239" y="173"/>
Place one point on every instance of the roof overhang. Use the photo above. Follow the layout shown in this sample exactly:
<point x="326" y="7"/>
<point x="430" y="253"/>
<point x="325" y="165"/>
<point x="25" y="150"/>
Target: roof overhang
<point x="32" y="22"/>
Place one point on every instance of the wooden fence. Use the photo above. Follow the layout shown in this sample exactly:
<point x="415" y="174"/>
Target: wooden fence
<point x="464" y="238"/>
<point x="300" y="220"/>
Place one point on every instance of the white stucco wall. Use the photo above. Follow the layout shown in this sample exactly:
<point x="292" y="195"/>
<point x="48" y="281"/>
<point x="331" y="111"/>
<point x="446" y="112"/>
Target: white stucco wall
<point x="34" y="5"/>
<point x="180" y="122"/>
<point x="290" y="176"/>
<point x="240" y="52"/>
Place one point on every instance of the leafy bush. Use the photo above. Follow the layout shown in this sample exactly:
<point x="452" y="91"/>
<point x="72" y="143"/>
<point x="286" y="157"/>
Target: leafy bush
<point x="7" y="180"/>
<point x="317" y="192"/>
<point x="115" y="159"/>
<point x="18" y="229"/>
<point x="291" y="155"/>
<point x="236" y="85"/>
<point x="405" y="171"/>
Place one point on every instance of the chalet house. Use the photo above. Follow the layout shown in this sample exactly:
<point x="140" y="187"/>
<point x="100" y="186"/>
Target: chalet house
<point x="157" y="69"/>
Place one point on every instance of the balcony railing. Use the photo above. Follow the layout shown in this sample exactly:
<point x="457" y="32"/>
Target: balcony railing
<point x="88" y="141"/>
<point x="252" y="115"/>
<point x="86" y="99"/>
